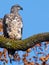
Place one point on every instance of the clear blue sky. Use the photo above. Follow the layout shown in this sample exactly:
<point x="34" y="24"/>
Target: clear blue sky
<point x="35" y="15"/>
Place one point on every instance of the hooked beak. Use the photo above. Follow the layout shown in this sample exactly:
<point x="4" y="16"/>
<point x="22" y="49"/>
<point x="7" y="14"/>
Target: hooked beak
<point x="21" y="8"/>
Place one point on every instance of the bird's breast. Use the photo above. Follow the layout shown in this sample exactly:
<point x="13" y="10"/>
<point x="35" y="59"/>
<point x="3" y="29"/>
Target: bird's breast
<point x="14" y="27"/>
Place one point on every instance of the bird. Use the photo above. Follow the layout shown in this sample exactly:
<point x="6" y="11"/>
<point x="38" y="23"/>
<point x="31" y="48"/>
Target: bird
<point x="13" y="24"/>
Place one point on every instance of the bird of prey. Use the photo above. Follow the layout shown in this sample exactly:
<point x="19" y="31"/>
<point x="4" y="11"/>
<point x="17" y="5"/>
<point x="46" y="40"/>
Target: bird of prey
<point x="12" y="23"/>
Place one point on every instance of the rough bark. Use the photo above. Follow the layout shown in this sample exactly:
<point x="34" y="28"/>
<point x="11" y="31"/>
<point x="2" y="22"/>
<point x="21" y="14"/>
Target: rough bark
<point x="23" y="44"/>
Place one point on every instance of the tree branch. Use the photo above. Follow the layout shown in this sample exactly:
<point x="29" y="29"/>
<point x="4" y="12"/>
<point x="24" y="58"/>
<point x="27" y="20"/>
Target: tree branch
<point x="23" y="44"/>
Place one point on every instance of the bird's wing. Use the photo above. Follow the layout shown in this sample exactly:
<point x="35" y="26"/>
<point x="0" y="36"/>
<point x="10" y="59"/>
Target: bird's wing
<point x="1" y="25"/>
<point x="5" y="24"/>
<point x="21" y="26"/>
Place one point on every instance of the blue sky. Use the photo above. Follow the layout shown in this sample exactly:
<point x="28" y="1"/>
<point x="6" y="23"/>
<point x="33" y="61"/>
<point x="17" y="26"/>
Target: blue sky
<point x="35" y="15"/>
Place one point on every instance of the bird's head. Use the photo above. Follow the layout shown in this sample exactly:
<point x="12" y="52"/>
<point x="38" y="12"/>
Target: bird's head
<point x="16" y="8"/>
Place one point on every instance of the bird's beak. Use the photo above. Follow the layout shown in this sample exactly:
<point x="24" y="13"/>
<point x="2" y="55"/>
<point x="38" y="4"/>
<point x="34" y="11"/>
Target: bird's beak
<point x="21" y="8"/>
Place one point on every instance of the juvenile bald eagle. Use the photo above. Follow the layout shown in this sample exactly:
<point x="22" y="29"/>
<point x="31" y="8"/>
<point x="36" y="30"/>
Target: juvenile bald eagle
<point x="12" y="23"/>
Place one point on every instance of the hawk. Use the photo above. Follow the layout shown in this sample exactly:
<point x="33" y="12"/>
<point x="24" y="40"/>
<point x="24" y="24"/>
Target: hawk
<point x="12" y="23"/>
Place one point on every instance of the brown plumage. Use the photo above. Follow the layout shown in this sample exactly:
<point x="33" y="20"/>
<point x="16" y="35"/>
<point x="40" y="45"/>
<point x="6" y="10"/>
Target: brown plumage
<point x="12" y="23"/>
